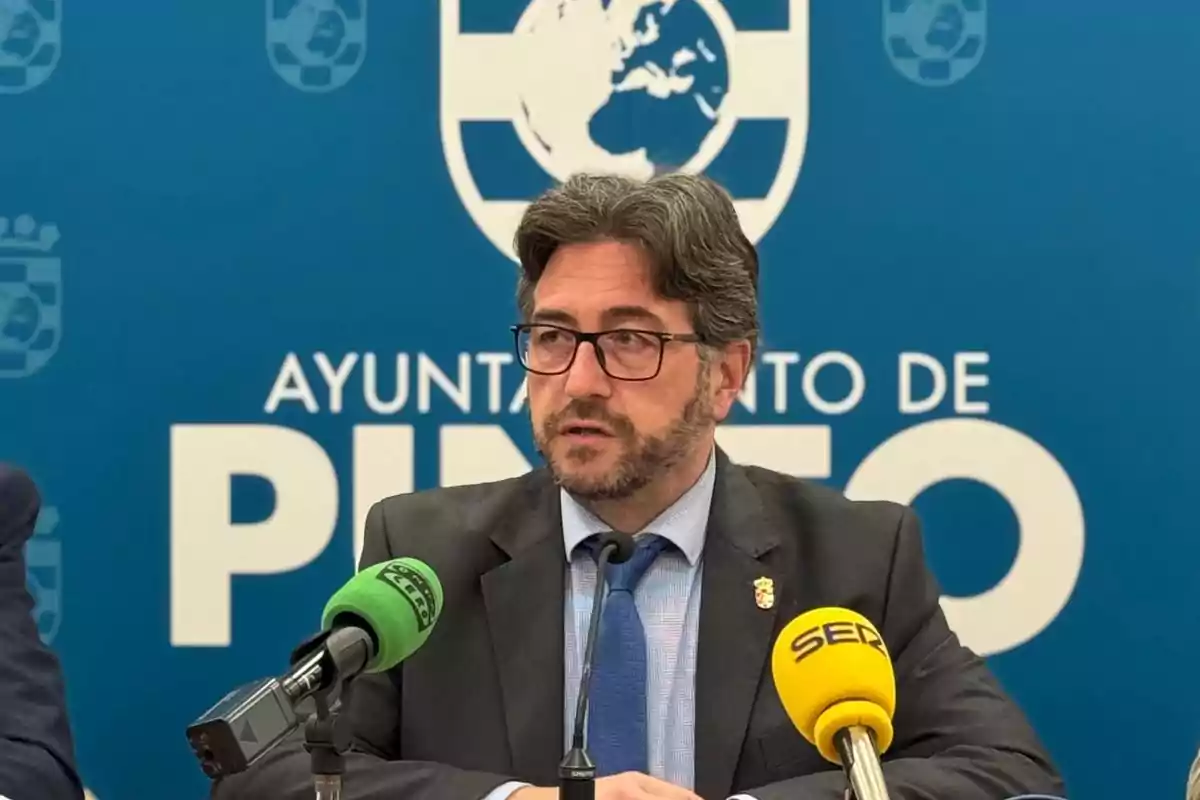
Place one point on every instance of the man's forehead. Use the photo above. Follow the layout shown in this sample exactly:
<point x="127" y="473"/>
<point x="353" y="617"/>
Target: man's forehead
<point x="593" y="292"/>
<point x="600" y="283"/>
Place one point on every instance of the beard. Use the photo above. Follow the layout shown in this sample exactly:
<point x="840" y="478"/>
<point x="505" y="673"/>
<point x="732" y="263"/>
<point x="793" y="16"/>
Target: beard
<point x="641" y="458"/>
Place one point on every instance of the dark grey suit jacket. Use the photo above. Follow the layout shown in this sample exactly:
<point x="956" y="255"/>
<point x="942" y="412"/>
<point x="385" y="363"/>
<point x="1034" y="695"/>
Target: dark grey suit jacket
<point x="37" y="755"/>
<point x="482" y="702"/>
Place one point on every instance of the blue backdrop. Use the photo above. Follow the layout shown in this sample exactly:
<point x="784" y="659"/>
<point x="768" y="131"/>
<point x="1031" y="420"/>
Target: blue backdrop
<point x="271" y="240"/>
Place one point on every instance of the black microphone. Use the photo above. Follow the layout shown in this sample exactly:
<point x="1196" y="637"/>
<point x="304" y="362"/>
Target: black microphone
<point x="576" y="772"/>
<point x="252" y="719"/>
<point x="380" y="617"/>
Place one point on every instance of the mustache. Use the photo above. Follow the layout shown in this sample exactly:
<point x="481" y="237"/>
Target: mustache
<point x="588" y="410"/>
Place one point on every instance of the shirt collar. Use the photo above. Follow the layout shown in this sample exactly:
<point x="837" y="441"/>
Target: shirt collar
<point x="684" y="523"/>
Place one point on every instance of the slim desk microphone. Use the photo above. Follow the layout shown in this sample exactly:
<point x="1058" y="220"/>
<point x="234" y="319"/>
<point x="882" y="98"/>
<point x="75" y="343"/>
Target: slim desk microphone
<point x="576" y="772"/>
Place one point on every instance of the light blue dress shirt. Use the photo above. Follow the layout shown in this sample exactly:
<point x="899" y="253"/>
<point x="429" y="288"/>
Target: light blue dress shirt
<point x="668" y="601"/>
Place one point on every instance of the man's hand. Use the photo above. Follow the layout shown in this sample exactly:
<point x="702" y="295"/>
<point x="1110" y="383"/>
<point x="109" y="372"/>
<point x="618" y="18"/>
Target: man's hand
<point x="626" y="786"/>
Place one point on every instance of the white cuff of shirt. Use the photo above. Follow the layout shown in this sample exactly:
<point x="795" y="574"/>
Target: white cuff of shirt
<point x="501" y="792"/>
<point x="505" y="790"/>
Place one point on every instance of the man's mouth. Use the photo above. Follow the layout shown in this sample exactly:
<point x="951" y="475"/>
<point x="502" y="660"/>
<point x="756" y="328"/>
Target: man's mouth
<point x="584" y="429"/>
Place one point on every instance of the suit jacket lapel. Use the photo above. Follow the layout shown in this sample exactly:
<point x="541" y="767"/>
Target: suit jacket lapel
<point x="523" y="598"/>
<point x="735" y="635"/>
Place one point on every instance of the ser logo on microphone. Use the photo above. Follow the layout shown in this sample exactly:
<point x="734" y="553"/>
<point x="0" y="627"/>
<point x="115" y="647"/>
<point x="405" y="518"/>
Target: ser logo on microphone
<point x="831" y="633"/>
<point x="414" y="588"/>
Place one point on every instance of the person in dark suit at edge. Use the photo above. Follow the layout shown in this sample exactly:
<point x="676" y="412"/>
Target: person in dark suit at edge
<point x="640" y="324"/>
<point x="37" y="753"/>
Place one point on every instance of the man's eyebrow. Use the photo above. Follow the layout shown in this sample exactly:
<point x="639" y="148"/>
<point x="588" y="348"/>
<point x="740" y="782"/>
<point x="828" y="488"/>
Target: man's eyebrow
<point x="553" y="315"/>
<point x="618" y="314"/>
<point x="611" y="316"/>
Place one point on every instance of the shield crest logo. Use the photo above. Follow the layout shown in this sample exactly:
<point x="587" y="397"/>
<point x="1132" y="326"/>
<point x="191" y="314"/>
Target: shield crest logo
<point x="316" y="45"/>
<point x="934" y="42"/>
<point x="548" y="88"/>
<point x="30" y="296"/>
<point x="30" y="43"/>
<point x="43" y="574"/>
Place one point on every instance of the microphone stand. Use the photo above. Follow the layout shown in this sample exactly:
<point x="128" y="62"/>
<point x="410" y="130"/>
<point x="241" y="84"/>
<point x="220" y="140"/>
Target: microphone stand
<point x="856" y="746"/>
<point x="577" y="772"/>
<point x="326" y="740"/>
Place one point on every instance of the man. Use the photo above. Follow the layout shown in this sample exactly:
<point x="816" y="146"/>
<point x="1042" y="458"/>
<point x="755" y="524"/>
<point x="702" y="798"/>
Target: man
<point x="37" y="757"/>
<point x="1193" y="784"/>
<point x="639" y="328"/>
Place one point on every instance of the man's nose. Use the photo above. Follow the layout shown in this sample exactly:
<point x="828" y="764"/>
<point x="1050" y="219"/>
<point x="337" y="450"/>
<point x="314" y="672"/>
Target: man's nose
<point x="586" y="378"/>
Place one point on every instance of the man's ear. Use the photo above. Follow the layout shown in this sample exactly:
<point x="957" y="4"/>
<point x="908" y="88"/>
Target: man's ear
<point x="732" y="368"/>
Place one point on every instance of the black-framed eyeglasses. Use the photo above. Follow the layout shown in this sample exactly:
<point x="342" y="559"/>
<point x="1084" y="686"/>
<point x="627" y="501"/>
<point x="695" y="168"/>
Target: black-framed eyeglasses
<point x="627" y="354"/>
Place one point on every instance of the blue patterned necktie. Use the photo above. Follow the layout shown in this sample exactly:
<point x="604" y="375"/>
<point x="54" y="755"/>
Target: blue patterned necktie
<point x="616" y="738"/>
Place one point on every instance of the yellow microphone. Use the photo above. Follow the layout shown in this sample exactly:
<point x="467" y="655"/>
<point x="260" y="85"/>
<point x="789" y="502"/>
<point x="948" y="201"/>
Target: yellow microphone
<point x="835" y="679"/>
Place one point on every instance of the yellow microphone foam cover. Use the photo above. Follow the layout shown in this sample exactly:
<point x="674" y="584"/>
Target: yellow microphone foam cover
<point x="832" y="670"/>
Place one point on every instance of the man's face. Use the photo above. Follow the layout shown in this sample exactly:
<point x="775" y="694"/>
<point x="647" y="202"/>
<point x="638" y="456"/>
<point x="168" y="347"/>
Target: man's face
<point x="606" y="438"/>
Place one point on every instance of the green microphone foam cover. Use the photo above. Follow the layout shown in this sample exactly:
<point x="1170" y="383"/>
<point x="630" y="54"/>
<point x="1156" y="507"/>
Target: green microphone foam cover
<point x="400" y="599"/>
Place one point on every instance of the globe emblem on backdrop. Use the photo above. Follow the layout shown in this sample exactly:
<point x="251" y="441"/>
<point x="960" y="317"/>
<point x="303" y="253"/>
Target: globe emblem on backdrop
<point x="934" y="28"/>
<point x="20" y="312"/>
<point x="316" y="45"/>
<point x="20" y="33"/>
<point x="20" y="318"/>
<point x="30" y="43"/>
<point x="635" y="90"/>
<point x="935" y="42"/>
<point x="30" y="295"/>
<point x="315" y="32"/>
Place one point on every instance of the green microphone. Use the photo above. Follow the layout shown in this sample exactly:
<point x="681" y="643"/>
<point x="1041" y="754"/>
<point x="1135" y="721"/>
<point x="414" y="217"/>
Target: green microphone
<point x="379" y="618"/>
<point x="395" y="603"/>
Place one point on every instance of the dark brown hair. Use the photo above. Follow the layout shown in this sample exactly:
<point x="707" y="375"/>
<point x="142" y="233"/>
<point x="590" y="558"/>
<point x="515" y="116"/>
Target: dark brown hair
<point x="686" y="224"/>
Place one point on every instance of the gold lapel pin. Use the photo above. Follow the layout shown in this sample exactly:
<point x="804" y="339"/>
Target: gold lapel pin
<point x="764" y="592"/>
